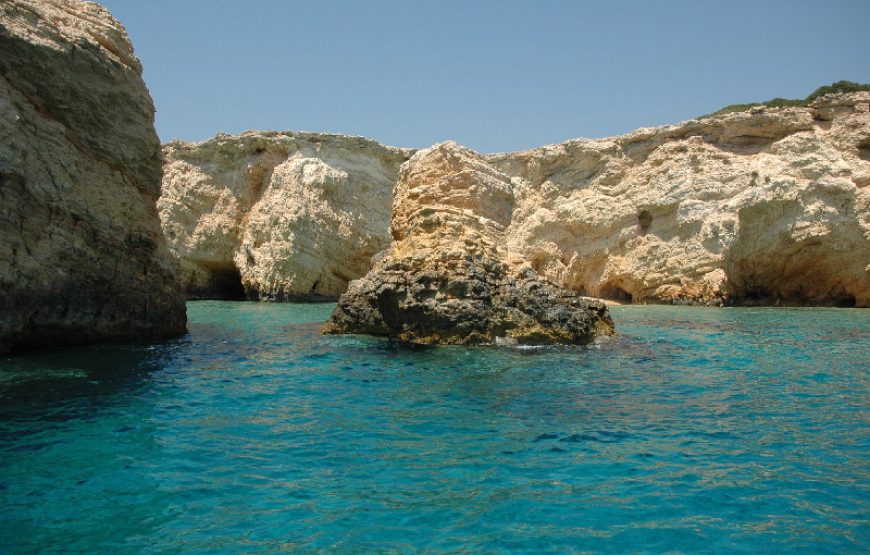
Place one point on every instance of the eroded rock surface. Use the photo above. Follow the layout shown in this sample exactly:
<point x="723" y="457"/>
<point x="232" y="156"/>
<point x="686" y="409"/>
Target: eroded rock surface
<point x="277" y="216"/>
<point x="82" y="256"/>
<point x="448" y="277"/>
<point x="770" y="205"/>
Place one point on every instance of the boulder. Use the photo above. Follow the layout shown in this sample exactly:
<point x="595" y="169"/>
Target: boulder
<point x="449" y="278"/>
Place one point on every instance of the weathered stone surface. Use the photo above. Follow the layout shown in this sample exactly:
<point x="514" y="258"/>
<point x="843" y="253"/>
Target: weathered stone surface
<point x="770" y="205"/>
<point x="277" y="216"/>
<point x="82" y="257"/>
<point x="448" y="277"/>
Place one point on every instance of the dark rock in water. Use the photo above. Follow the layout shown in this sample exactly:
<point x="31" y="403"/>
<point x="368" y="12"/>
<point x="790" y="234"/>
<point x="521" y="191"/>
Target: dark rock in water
<point x="82" y="257"/>
<point x="449" y="276"/>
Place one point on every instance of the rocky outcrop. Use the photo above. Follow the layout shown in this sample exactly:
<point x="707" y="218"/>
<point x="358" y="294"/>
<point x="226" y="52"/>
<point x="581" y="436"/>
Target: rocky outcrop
<point x="449" y="277"/>
<point x="769" y="205"/>
<point x="277" y="216"/>
<point x="82" y="257"/>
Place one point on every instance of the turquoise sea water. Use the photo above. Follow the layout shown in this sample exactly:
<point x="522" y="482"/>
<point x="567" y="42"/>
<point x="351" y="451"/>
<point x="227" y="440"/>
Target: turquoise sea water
<point x="695" y="430"/>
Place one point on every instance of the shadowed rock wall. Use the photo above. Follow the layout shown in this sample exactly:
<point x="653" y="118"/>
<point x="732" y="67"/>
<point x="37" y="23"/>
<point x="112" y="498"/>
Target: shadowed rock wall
<point x="82" y="256"/>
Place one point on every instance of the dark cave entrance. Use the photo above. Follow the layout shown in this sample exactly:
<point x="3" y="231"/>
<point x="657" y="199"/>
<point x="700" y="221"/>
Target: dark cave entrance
<point x="845" y="301"/>
<point x="226" y="284"/>
<point x="616" y="293"/>
<point x="756" y="295"/>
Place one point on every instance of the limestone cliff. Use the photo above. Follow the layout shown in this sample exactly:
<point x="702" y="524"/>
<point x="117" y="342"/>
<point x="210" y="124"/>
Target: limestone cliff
<point x="82" y="257"/>
<point x="448" y="276"/>
<point x="765" y="205"/>
<point x="769" y="205"/>
<point x="277" y="216"/>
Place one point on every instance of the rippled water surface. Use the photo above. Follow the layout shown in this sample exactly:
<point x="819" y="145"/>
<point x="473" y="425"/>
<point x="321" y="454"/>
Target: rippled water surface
<point x="715" y="430"/>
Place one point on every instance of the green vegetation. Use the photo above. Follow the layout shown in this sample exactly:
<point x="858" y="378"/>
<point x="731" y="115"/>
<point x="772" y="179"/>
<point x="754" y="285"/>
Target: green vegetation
<point x="838" y="87"/>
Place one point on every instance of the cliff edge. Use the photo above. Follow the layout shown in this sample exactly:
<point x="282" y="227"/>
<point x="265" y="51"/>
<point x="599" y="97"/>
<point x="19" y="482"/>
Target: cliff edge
<point x="766" y="205"/>
<point x="82" y="256"/>
<point x="277" y="216"/>
<point x="754" y="205"/>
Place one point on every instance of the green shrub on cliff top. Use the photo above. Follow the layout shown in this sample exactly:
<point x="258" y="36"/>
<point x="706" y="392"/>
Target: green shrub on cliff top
<point x="838" y="87"/>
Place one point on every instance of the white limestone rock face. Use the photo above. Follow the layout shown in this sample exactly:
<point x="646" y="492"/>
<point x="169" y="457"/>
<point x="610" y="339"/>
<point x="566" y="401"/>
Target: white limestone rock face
<point x="770" y="206"/>
<point x="82" y="256"/>
<point x="767" y="206"/>
<point x="277" y="216"/>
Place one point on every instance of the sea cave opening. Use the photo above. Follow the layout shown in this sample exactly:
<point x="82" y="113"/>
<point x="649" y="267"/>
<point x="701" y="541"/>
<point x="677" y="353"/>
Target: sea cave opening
<point x="616" y="293"/>
<point x="225" y="284"/>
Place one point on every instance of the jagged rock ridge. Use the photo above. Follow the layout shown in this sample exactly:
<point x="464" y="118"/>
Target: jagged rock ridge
<point x="82" y="256"/>
<point x="448" y="276"/>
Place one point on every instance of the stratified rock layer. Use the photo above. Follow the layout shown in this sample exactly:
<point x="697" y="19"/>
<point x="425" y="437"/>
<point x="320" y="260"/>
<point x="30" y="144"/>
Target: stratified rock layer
<point x="277" y="216"/>
<point x="82" y="256"/>
<point x="770" y="205"/>
<point x="448" y="277"/>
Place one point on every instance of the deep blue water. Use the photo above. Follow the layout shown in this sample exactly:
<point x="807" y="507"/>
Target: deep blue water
<point x="695" y="430"/>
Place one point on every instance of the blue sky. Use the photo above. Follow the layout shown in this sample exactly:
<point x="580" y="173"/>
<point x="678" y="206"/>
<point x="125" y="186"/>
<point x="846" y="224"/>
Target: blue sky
<point x="493" y="75"/>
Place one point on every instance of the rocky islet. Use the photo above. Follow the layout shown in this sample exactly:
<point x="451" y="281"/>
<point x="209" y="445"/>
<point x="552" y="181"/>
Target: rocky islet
<point x="449" y="278"/>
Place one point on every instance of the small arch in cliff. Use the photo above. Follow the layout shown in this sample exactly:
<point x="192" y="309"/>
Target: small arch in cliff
<point x="823" y="120"/>
<point x="644" y="221"/>
<point x="224" y="283"/>
<point x="227" y="284"/>
<point x="749" y="144"/>
<point x="846" y="301"/>
<point x="616" y="293"/>
<point x="864" y="151"/>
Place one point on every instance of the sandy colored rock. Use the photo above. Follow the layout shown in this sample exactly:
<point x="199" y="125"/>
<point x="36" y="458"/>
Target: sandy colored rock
<point x="770" y="205"/>
<point x="277" y="216"/>
<point x="448" y="277"/>
<point x="766" y="206"/>
<point x="82" y="256"/>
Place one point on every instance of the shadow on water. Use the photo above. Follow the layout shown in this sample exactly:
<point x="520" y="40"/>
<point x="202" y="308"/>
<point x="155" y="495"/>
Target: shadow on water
<point x="78" y="381"/>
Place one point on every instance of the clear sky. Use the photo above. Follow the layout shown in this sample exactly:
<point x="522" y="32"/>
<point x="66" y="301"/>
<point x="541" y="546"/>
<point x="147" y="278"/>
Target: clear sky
<point x="493" y="75"/>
